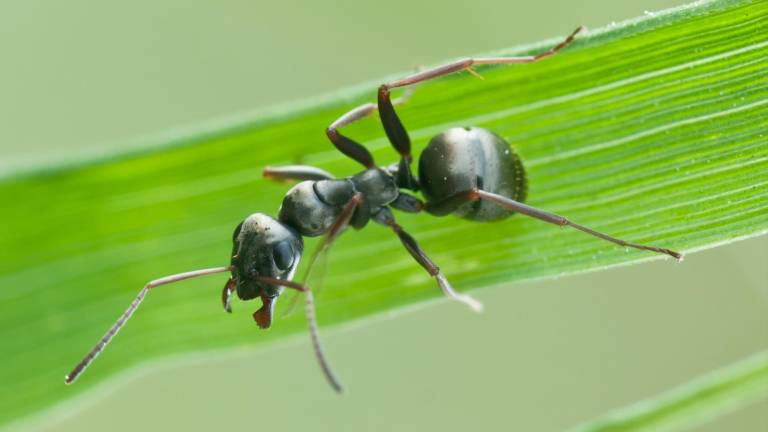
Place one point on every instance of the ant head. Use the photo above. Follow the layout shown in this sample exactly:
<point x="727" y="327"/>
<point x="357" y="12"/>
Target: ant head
<point x="263" y="247"/>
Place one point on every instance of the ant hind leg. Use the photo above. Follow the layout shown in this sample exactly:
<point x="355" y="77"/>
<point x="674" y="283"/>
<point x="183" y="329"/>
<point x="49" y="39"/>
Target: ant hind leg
<point x="438" y="208"/>
<point x="393" y="126"/>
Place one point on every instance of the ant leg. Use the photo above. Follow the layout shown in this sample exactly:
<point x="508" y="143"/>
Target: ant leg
<point x="91" y="356"/>
<point x="467" y="63"/>
<point x="349" y="147"/>
<point x="333" y="233"/>
<point x="352" y="148"/>
<point x="296" y="172"/>
<point x="385" y="217"/>
<point x="399" y="139"/>
<point x="313" y="329"/>
<point x="516" y="206"/>
<point x="393" y="126"/>
<point x="336" y="229"/>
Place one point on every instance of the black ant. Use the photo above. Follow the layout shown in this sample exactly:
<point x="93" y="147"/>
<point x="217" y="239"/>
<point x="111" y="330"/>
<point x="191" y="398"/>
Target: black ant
<point x="469" y="172"/>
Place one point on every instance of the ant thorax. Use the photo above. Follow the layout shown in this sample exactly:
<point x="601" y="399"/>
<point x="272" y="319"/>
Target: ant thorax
<point x="311" y="207"/>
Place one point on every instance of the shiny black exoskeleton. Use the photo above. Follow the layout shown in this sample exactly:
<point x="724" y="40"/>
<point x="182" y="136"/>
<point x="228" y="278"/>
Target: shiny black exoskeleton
<point x="469" y="172"/>
<point x="265" y="247"/>
<point x="460" y="159"/>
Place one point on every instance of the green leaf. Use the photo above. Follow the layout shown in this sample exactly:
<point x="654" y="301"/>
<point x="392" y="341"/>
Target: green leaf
<point x="652" y="130"/>
<point x="693" y="403"/>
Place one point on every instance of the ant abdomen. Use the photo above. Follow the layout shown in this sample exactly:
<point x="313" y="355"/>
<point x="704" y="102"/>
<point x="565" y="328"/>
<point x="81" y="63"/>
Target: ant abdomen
<point x="462" y="159"/>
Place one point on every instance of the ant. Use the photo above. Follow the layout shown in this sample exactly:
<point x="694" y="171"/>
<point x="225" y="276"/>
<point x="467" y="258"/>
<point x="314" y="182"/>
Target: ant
<point x="469" y="172"/>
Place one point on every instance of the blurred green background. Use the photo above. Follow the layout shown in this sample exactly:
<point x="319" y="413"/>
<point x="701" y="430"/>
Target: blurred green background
<point x="83" y="78"/>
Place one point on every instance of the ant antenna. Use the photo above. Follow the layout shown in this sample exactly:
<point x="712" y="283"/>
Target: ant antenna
<point x="91" y="356"/>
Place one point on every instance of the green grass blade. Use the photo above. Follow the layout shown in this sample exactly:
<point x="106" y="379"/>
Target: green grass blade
<point x="694" y="403"/>
<point x="653" y="130"/>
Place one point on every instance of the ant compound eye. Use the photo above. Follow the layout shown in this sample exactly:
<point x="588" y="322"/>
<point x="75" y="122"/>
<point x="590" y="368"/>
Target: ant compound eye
<point x="283" y="255"/>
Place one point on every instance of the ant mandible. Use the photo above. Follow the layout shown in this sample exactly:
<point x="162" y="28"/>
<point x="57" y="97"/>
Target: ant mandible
<point x="469" y="172"/>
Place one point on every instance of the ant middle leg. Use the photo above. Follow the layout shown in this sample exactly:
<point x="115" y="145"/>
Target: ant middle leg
<point x="385" y="217"/>
<point x="342" y="221"/>
<point x="447" y="205"/>
<point x="352" y="148"/>
<point x="263" y="316"/>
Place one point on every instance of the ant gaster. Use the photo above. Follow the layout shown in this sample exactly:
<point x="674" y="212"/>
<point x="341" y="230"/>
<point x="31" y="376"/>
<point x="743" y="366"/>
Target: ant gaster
<point x="469" y="172"/>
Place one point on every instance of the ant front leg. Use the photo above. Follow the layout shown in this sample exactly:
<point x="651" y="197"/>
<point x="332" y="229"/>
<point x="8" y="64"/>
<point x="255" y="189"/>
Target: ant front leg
<point x="296" y="173"/>
<point x="467" y="63"/>
<point x="314" y="334"/>
<point x="385" y="217"/>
